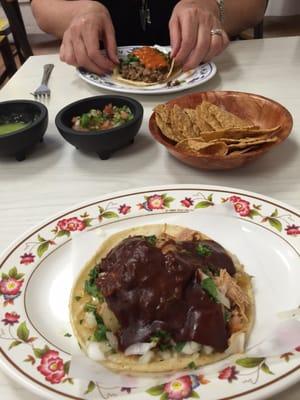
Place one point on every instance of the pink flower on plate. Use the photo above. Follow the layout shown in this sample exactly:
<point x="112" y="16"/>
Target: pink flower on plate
<point x="10" y="318"/>
<point x="187" y="202"/>
<point x="293" y="230"/>
<point x="71" y="224"/>
<point x="234" y="199"/>
<point x="27" y="258"/>
<point x="124" y="209"/>
<point x="10" y="286"/>
<point x="155" y="202"/>
<point x="179" y="388"/>
<point x="241" y="206"/>
<point x="297" y="348"/>
<point x="52" y="366"/>
<point x="229" y="373"/>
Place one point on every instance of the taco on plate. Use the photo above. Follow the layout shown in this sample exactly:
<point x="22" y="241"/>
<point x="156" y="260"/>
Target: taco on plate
<point x="161" y="298"/>
<point x="146" y="66"/>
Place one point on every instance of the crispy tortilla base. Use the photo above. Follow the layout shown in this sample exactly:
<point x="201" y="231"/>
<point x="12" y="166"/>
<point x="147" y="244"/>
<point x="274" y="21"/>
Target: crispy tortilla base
<point x="118" y="362"/>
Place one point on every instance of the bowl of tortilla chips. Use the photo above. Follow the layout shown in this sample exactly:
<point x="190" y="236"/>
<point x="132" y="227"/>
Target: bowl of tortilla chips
<point x="220" y="130"/>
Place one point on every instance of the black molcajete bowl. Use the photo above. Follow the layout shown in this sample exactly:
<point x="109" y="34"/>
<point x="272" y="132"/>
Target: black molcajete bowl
<point x="104" y="142"/>
<point x="18" y="143"/>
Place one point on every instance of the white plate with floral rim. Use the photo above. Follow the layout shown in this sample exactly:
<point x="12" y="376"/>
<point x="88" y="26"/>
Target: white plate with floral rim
<point x="35" y="334"/>
<point x="184" y="81"/>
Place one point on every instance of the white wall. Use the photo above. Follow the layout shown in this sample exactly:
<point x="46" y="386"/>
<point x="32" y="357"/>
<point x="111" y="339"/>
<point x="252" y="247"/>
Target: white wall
<point x="283" y="7"/>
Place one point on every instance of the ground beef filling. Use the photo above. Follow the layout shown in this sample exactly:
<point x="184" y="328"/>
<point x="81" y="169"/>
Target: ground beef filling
<point x="150" y="290"/>
<point x="135" y="71"/>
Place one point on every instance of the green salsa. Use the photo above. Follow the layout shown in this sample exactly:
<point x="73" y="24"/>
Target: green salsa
<point x="10" y="127"/>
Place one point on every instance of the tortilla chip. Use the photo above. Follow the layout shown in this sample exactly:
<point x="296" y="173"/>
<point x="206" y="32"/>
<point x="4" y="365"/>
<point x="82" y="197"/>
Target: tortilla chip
<point x="237" y="133"/>
<point x="225" y="119"/>
<point x="193" y="117"/>
<point x="207" y="116"/>
<point x="163" y="120"/>
<point x="197" y="146"/>
<point x="244" y="144"/>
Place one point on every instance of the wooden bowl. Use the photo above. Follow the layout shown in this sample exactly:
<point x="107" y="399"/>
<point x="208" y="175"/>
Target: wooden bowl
<point x="260" y="110"/>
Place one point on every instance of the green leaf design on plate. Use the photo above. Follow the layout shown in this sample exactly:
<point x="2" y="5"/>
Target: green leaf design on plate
<point x="210" y="197"/>
<point x="14" y="344"/>
<point x="67" y="367"/>
<point x="23" y="332"/>
<point x="265" y="368"/>
<point x="204" y="204"/>
<point x="275" y="223"/>
<point x="167" y="201"/>
<point x="253" y="213"/>
<point x="88" y="221"/>
<point x="4" y="276"/>
<point x="274" y="213"/>
<point x="41" y="239"/>
<point x="90" y="388"/>
<point x="68" y="380"/>
<point x="63" y="233"/>
<point x="194" y="395"/>
<point x="250" y="362"/>
<point x="156" y="390"/>
<point x="13" y="272"/>
<point x="109" y="214"/>
<point x="42" y="248"/>
<point x="164" y="396"/>
<point x="40" y="352"/>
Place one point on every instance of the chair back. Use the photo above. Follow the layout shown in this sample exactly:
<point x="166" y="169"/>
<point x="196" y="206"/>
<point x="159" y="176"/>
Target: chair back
<point x="16" y="23"/>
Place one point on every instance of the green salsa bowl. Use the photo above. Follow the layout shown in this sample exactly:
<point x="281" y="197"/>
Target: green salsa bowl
<point x="23" y="124"/>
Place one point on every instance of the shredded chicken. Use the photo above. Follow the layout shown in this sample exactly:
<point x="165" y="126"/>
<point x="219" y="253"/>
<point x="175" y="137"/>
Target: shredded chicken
<point x="163" y="239"/>
<point x="236" y="322"/>
<point x="229" y="287"/>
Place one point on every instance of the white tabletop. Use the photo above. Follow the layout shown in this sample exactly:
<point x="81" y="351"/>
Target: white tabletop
<point x="56" y="176"/>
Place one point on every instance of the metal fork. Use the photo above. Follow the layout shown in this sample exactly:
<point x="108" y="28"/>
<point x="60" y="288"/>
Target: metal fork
<point x="43" y="90"/>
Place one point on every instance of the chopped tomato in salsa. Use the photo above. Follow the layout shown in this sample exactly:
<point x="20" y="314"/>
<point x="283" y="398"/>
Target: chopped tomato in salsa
<point x="97" y="120"/>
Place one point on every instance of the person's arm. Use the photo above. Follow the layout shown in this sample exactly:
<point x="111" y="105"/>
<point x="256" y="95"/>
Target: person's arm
<point x="55" y="16"/>
<point x="241" y="15"/>
<point x="81" y="24"/>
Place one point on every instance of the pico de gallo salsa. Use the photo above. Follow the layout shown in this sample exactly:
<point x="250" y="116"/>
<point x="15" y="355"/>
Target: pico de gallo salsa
<point x="98" y="120"/>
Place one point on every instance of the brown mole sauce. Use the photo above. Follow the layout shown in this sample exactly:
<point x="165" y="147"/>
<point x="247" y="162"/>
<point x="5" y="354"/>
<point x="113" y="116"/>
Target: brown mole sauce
<point x="150" y="291"/>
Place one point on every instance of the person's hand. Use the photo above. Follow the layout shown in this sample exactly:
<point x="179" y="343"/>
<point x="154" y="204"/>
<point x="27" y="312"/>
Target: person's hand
<point x="80" y="44"/>
<point x="190" y="26"/>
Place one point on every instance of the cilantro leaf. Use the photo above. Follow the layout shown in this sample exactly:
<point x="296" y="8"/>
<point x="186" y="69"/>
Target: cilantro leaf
<point x="151" y="240"/>
<point x="210" y="287"/>
<point x="203" y="250"/>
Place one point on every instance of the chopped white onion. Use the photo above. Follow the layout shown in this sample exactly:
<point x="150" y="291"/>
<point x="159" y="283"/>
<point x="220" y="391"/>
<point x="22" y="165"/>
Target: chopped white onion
<point x="146" y="358"/>
<point x="112" y="339"/>
<point x="207" y="350"/>
<point x="94" y="351"/>
<point x="191" y="348"/>
<point x="165" y="355"/>
<point x="138" y="348"/>
<point x="237" y="343"/>
<point x="223" y="299"/>
<point x="90" y="320"/>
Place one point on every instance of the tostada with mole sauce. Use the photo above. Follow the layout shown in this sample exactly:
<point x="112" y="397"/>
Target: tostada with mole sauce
<point x="161" y="298"/>
<point x="146" y="66"/>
